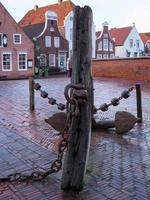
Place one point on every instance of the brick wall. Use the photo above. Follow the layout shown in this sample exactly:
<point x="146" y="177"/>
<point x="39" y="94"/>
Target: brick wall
<point x="10" y="27"/>
<point x="129" y="68"/>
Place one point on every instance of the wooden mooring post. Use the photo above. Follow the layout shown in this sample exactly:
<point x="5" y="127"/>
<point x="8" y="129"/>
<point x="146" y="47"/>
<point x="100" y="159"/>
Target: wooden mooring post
<point x="31" y="94"/>
<point x="80" y="132"/>
<point x="139" y="103"/>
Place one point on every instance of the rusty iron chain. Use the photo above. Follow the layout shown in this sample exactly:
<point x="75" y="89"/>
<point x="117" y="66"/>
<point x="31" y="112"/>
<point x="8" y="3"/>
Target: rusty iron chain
<point x="115" y="101"/>
<point x="56" y="164"/>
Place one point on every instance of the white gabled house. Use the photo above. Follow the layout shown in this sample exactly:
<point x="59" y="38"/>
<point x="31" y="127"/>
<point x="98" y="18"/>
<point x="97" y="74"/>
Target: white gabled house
<point x="128" y="42"/>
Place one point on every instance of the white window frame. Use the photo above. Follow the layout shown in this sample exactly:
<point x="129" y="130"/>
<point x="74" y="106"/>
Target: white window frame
<point x="112" y="55"/>
<point x="16" y="34"/>
<point x="105" y="56"/>
<point x="1" y="35"/>
<point x="138" y="43"/>
<point x="54" y="58"/>
<point x="48" y="41"/>
<point x="99" y="56"/>
<point x="56" y="42"/>
<point x="131" y="43"/>
<point x="99" y="46"/>
<point x="110" y="46"/>
<point x="6" y="70"/>
<point x="105" y="44"/>
<point x="25" y="53"/>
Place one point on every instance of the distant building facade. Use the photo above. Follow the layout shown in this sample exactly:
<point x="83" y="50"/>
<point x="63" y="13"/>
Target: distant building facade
<point x="50" y="47"/>
<point x="16" y="49"/>
<point x="105" y="45"/>
<point x="146" y="40"/>
<point x="65" y="13"/>
<point x="128" y="42"/>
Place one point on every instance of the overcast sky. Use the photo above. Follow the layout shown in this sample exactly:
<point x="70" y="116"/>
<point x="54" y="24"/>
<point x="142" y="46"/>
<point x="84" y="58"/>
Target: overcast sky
<point x="118" y="13"/>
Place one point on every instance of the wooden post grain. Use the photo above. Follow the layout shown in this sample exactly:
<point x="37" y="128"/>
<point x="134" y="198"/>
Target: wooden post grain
<point x="31" y="94"/>
<point x="80" y="131"/>
<point x="139" y="103"/>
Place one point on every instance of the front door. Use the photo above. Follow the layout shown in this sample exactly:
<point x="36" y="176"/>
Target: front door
<point x="62" y="61"/>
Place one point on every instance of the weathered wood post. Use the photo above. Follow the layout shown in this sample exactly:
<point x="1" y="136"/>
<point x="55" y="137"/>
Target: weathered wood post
<point x="31" y="94"/>
<point x="80" y="131"/>
<point x="139" y="103"/>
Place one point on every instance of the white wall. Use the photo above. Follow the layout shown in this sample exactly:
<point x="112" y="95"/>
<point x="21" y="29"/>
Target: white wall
<point x="120" y="51"/>
<point x="69" y="30"/>
<point x="69" y="33"/>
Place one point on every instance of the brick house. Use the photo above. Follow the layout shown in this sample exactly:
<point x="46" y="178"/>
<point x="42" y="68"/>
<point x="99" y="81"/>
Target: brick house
<point x="105" y="45"/>
<point x="146" y="40"/>
<point x="51" y="48"/>
<point x="65" y="12"/>
<point x="16" y="49"/>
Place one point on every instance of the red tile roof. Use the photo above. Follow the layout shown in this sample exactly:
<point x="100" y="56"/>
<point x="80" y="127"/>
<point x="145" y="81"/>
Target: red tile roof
<point x="144" y="37"/>
<point x="38" y="16"/>
<point x="120" y="34"/>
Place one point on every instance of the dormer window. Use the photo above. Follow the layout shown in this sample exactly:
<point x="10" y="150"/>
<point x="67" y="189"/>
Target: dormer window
<point x="131" y="42"/>
<point x="105" y="35"/>
<point x="52" y="29"/>
<point x="17" y="38"/>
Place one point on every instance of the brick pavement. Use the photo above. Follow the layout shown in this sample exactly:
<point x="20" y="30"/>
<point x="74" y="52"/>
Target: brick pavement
<point x="118" y="167"/>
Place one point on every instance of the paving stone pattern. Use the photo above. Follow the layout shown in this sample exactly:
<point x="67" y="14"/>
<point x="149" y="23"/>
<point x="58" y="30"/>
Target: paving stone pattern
<point x="118" y="167"/>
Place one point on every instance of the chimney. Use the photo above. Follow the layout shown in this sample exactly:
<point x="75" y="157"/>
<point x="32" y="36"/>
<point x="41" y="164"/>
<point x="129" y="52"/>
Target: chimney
<point x="133" y="24"/>
<point x="105" y="27"/>
<point x="60" y="1"/>
<point x="36" y="7"/>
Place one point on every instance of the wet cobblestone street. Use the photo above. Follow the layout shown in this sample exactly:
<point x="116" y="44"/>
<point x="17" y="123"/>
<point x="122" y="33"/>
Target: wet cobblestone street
<point x="118" y="167"/>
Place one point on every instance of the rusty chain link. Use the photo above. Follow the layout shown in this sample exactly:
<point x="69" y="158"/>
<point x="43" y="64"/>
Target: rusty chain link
<point x="56" y="164"/>
<point x="115" y="101"/>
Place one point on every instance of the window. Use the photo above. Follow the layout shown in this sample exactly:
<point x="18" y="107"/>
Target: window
<point x="1" y="39"/>
<point x="43" y="60"/>
<point x="128" y="53"/>
<point x="71" y="34"/>
<point x="135" y="54"/>
<point x="47" y="41"/>
<point x="137" y="43"/>
<point x="56" y="42"/>
<point x="105" y="56"/>
<point x="52" y="60"/>
<point x="52" y="29"/>
<point x="105" y="44"/>
<point x="105" y="35"/>
<point x="22" y="61"/>
<point x="131" y="42"/>
<point x="99" y="56"/>
<point x="110" y="46"/>
<point x="6" y="61"/>
<point x="17" y="38"/>
<point x="100" y="45"/>
<point x="112" y="55"/>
